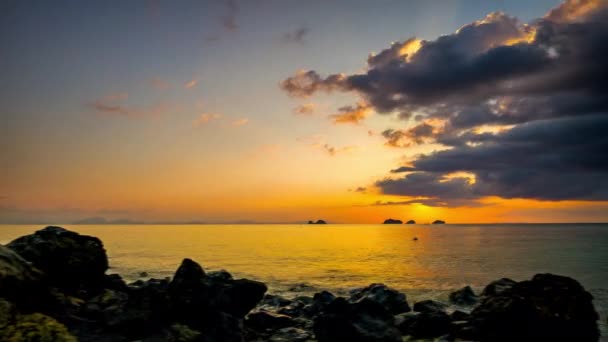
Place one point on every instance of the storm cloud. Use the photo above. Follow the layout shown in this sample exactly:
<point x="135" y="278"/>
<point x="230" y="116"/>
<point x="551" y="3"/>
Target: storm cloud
<point x="521" y="106"/>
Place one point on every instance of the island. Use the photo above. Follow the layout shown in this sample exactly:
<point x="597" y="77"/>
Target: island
<point x="318" y="222"/>
<point x="392" y="221"/>
<point x="411" y="222"/>
<point x="438" y="222"/>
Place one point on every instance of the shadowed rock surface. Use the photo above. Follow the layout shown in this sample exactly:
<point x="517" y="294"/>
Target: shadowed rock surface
<point x="464" y="296"/>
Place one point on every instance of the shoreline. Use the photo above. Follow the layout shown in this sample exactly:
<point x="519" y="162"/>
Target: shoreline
<point x="65" y="279"/>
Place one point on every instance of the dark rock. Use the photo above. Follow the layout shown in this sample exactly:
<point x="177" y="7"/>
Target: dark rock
<point x="464" y="296"/>
<point x="320" y="301"/>
<point x="411" y="222"/>
<point x="35" y="327"/>
<point x="438" y="222"/>
<point x="223" y="327"/>
<point x="143" y="274"/>
<point x="290" y="334"/>
<point x="546" y="308"/>
<point x="424" y="324"/>
<point x="392" y="300"/>
<point x="364" y="320"/>
<point x="392" y="221"/>
<point x="317" y="222"/>
<point x="72" y="262"/>
<point x="303" y="299"/>
<point x="497" y="287"/>
<point x="239" y="296"/>
<point x="263" y="320"/>
<point x="221" y="275"/>
<point x="459" y="316"/>
<point x="183" y="333"/>
<point x="274" y="301"/>
<point x="429" y="306"/>
<point x="115" y="282"/>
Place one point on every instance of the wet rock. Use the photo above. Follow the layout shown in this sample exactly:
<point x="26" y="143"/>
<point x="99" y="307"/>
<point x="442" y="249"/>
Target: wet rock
<point x="290" y="334"/>
<point x="221" y="275"/>
<point x="427" y="324"/>
<point x="464" y="296"/>
<point x="72" y="262"/>
<point x="263" y="320"/>
<point x="320" y="301"/>
<point x="497" y="287"/>
<point x="274" y="301"/>
<point x="392" y="300"/>
<point x="392" y="221"/>
<point x="546" y="308"/>
<point x="115" y="282"/>
<point x="429" y="306"/>
<point x="364" y="320"/>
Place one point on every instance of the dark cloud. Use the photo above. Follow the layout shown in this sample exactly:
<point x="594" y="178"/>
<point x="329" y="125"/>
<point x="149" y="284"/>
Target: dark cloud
<point x="229" y="20"/>
<point x="297" y="36"/>
<point x="520" y="106"/>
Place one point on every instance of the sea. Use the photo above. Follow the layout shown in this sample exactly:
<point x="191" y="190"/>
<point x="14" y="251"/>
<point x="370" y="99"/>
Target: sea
<point x="423" y="261"/>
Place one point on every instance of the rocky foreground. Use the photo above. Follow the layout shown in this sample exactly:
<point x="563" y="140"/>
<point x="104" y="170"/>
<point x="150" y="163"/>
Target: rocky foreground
<point x="54" y="287"/>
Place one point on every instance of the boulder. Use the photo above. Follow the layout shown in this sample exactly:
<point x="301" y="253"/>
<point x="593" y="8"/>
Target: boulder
<point x="464" y="297"/>
<point x="497" y="287"/>
<point x="73" y="263"/>
<point x="392" y="221"/>
<point x="364" y="320"/>
<point x="21" y="283"/>
<point x="392" y="300"/>
<point x="547" y="308"/>
<point x="429" y="306"/>
<point x="427" y="324"/>
<point x="263" y="320"/>
<point x="239" y="296"/>
<point x="290" y="334"/>
<point x="458" y="315"/>
<point x="320" y="301"/>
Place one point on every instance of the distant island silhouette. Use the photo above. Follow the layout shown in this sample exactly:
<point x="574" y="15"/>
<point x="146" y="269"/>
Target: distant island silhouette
<point x="318" y="222"/>
<point x="438" y="222"/>
<point x="392" y="221"/>
<point x="411" y="222"/>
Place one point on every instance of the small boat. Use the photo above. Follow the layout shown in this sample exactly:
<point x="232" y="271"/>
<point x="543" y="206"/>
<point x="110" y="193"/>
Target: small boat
<point x="415" y="238"/>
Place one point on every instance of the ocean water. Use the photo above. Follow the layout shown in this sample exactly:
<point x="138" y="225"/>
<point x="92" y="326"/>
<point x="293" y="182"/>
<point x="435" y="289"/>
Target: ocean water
<point x="294" y="259"/>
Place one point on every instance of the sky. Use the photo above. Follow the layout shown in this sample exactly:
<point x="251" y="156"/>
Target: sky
<point x="289" y="111"/>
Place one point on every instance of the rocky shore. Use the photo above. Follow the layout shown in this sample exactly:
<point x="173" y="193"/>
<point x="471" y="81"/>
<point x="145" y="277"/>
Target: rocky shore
<point x="54" y="286"/>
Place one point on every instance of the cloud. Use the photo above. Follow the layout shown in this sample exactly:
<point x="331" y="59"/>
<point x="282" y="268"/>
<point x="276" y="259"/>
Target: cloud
<point x="332" y="150"/>
<point x="191" y="84"/>
<point x="112" y="105"/>
<point x="297" y="36"/>
<point x="229" y="20"/>
<point x="306" y="109"/>
<point x="205" y="118"/>
<point x="240" y="122"/>
<point x="351" y="114"/>
<point x="360" y="189"/>
<point x="521" y="106"/>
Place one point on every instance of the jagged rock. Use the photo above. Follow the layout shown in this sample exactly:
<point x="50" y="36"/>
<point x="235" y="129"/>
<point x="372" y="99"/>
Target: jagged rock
<point x="263" y="320"/>
<point x="424" y="324"/>
<point x="320" y="301"/>
<point x="221" y="275"/>
<point x="364" y="320"/>
<point x="497" y="287"/>
<point x="290" y="334"/>
<point x="23" y="284"/>
<point x="392" y="300"/>
<point x="458" y="315"/>
<point x="72" y="262"/>
<point x="464" y="296"/>
<point x="429" y="306"/>
<point x="392" y="221"/>
<point x="547" y="308"/>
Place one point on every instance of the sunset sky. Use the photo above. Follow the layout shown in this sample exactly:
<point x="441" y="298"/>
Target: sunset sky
<point x="285" y="111"/>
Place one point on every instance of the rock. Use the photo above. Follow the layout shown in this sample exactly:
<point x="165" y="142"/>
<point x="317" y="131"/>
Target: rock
<point x="411" y="222"/>
<point x="427" y="324"/>
<point x="320" y="301"/>
<point x="239" y="296"/>
<point x="7" y="313"/>
<point x="263" y="320"/>
<point x="547" y="308"/>
<point x="72" y="262"/>
<point x="464" y="296"/>
<point x="36" y="327"/>
<point x="290" y="334"/>
<point x="429" y="306"/>
<point x="438" y="222"/>
<point x="364" y="320"/>
<point x="392" y="221"/>
<point x="182" y="333"/>
<point x="392" y="300"/>
<point x="115" y="282"/>
<point x="458" y="315"/>
<point x="223" y="327"/>
<point x="317" y="222"/>
<point x="23" y="284"/>
<point x="221" y="275"/>
<point x="143" y="274"/>
<point x="497" y="287"/>
<point x="274" y="301"/>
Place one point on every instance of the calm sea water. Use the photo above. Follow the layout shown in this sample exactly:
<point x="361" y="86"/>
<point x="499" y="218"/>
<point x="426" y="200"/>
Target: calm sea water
<point x="306" y="258"/>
